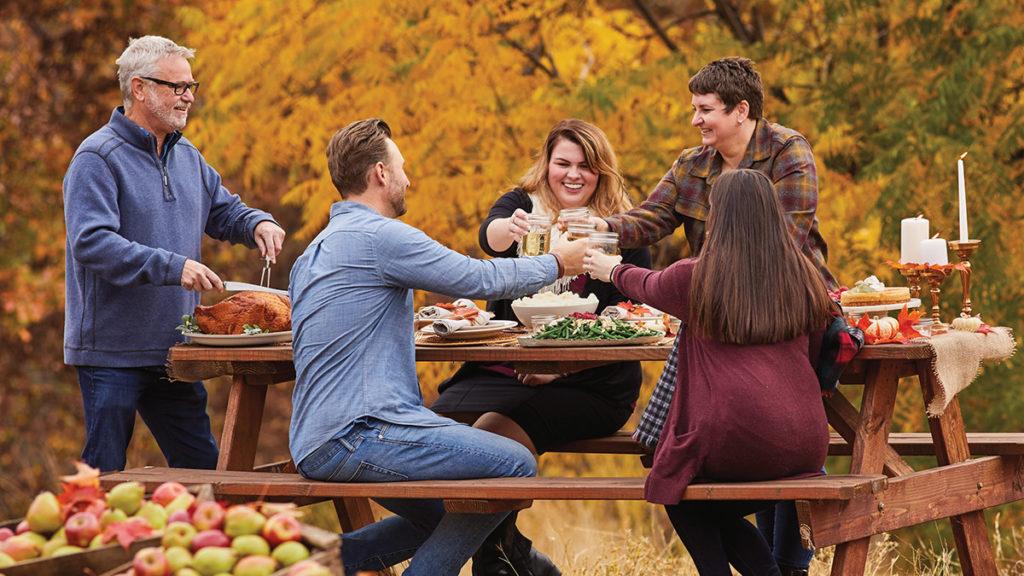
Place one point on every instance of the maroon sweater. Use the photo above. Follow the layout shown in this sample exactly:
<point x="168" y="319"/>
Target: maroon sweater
<point x="740" y="413"/>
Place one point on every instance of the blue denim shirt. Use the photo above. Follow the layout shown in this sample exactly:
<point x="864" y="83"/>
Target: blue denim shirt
<point x="352" y="319"/>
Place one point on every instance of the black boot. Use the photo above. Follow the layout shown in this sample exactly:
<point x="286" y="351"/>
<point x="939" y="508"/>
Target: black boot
<point x="506" y="552"/>
<point x="793" y="571"/>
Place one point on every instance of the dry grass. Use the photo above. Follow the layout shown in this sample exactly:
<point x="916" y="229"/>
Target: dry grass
<point x="634" y="539"/>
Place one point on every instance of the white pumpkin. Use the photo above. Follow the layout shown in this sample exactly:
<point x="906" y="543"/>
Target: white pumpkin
<point x="966" y="323"/>
<point x="883" y="328"/>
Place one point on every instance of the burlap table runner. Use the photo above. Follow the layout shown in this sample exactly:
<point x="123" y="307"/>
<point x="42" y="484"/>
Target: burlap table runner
<point x="958" y="358"/>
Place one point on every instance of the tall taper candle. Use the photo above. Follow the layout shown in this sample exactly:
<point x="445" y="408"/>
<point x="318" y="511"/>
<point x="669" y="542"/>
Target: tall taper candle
<point x="964" y="235"/>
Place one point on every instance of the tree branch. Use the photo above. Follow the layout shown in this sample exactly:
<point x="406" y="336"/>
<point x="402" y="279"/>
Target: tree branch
<point x="646" y="12"/>
<point x="732" y="19"/>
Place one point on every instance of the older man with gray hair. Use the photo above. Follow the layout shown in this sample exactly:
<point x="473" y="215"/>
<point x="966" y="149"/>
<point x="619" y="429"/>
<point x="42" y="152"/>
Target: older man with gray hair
<point x="138" y="198"/>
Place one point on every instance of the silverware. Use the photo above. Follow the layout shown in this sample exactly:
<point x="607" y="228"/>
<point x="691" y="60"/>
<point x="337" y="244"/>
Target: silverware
<point x="242" y="286"/>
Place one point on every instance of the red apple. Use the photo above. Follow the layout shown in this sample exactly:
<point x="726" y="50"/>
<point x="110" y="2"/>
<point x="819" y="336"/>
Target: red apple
<point x="166" y="492"/>
<point x="20" y="548"/>
<point x="208" y="516"/>
<point x="281" y="527"/>
<point x="179" y="516"/>
<point x="81" y="528"/>
<point x="255" y="566"/>
<point x="308" y="568"/>
<point x="5" y="533"/>
<point x="151" y="562"/>
<point x="210" y="538"/>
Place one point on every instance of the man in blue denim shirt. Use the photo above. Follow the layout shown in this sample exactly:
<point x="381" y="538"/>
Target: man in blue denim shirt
<point x="357" y="410"/>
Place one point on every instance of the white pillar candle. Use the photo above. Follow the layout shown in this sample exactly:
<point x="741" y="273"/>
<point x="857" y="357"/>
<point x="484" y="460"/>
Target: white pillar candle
<point x="964" y="236"/>
<point x="932" y="251"/>
<point x="912" y="232"/>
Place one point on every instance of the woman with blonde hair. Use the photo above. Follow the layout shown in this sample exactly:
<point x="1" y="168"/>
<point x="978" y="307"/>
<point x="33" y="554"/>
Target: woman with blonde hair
<point x="576" y="168"/>
<point x="747" y="403"/>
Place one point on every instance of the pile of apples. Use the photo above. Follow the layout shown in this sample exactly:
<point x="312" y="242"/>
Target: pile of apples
<point x="198" y="538"/>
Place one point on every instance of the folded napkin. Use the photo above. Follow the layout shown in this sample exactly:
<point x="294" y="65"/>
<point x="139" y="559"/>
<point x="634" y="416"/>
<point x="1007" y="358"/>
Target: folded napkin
<point x="958" y="358"/>
<point x="445" y="326"/>
<point x="433" y="312"/>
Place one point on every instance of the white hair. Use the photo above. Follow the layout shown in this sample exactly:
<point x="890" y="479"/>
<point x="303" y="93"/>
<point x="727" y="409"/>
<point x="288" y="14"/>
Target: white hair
<point x="141" y="57"/>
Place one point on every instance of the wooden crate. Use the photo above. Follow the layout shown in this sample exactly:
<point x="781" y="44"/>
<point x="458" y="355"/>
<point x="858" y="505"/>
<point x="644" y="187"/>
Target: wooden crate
<point x="89" y="562"/>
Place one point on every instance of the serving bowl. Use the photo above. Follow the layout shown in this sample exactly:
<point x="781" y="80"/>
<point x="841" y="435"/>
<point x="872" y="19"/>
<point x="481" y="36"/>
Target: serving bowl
<point x="524" y="312"/>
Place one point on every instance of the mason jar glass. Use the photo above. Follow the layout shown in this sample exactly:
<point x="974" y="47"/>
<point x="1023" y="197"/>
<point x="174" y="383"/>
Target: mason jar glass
<point x="537" y="241"/>
<point x="574" y="215"/>
<point x="604" y="242"/>
<point x="580" y="230"/>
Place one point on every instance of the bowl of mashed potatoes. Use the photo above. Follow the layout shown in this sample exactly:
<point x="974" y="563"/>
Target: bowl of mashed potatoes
<point x="551" y="304"/>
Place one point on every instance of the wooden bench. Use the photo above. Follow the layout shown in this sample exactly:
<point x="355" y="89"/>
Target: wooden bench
<point x="501" y="494"/>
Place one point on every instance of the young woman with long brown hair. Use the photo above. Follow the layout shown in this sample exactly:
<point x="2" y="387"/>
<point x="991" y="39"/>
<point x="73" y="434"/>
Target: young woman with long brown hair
<point x="747" y="404"/>
<point x="576" y="168"/>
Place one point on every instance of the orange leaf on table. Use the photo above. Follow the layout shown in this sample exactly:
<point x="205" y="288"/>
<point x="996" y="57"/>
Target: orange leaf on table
<point x="907" y="321"/>
<point x="85" y="476"/>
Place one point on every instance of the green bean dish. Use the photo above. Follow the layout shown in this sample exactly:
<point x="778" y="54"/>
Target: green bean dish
<point x="596" y="329"/>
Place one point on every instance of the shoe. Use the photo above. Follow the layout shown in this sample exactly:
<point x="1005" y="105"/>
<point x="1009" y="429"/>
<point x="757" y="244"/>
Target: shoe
<point x="506" y="552"/>
<point x="793" y="571"/>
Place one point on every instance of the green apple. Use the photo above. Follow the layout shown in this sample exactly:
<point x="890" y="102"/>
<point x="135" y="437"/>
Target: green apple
<point x="65" y="550"/>
<point x="187" y="572"/>
<point x="5" y="560"/>
<point x="154" y="514"/>
<point x="112" y="515"/>
<point x="48" y="548"/>
<point x="181" y="502"/>
<point x="241" y="520"/>
<point x="96" y="542"/>
<point x="213" y="560"/>
<point x="44" y="514"/>
<point x="38" y="539"/>
<point x="19" y="548"/>
<point x="250" y="545"/>
<point x="178" y="558"/>
<point x="289" y="553"/>
<point x="127" y="497"/>
<point x="178" y="534"/>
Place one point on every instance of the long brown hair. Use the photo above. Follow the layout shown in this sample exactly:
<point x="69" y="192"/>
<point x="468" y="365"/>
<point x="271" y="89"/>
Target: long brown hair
<point x="609" y="197"/>
<point x="752" y="284"/>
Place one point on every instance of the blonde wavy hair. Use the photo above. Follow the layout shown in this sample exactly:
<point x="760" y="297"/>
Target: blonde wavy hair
<point x="610" y="196"/>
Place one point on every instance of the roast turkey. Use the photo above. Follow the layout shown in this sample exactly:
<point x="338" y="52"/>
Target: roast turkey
<point x="271" y="312"/>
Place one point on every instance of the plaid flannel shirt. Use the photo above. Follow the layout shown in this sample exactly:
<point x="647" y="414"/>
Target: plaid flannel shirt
<point x="656" y="413"/>
<point x="782" y="154"/>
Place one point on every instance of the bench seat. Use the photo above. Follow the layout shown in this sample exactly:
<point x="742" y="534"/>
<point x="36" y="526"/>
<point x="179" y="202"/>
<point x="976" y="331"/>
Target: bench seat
<point x="293" y="486"/>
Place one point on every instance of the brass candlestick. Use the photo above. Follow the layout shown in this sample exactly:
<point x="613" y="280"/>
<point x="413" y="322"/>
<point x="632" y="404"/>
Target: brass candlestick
<point x="913" y="277"/>
<point x="964" y="250"/>
<point x="935" y="276"/>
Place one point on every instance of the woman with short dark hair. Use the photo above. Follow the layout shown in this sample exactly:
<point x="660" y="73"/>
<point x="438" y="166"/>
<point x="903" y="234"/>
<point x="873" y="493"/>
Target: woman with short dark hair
<point x="747" y="405"/>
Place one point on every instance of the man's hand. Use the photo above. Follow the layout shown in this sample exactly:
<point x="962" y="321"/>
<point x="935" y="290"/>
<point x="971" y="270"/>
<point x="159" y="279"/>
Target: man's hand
<point x="537" y="379"/>
<point x="599" y="265"/>
<point x="571" y="254"/>
<point x="195" y="276"/>
<point x="269" y="238"/>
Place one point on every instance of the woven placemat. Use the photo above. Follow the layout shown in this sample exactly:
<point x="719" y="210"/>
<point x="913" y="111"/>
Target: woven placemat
<point x="500" y="339"/>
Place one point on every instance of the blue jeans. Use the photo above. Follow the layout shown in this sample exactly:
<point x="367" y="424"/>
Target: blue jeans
<point x="175" y="413"/>
<point x="375" y="451"/>
<point x="781" y="529"/>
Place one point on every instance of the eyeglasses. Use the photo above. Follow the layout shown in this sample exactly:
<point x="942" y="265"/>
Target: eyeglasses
<point x="179" y="87"/>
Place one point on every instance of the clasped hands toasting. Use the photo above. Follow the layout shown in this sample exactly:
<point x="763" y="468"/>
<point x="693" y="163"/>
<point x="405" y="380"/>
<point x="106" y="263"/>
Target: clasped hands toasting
<point x="576" y="256"/>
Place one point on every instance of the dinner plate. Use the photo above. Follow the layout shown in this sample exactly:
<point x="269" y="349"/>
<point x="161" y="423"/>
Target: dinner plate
<point x="912" y="303"/>
<point x="239" y="339"/>
<point x="527" y="342"/>
<point x="492" y="327"/>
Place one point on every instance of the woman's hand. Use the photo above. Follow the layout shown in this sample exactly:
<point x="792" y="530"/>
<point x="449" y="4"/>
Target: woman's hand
<point x="518" y="225"/>
<point x="599" y="265"/>
<point x="537" y="379"/>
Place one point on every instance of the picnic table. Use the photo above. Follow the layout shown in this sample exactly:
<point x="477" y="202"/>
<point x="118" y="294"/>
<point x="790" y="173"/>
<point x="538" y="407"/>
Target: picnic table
<point x="959" y="487"/>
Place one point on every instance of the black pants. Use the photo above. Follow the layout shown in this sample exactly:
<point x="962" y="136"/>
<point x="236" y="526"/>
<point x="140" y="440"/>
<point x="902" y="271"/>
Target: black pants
<point x="716" y="534"/>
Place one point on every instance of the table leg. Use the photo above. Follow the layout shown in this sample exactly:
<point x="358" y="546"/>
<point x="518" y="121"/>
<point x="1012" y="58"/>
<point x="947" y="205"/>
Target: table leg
<point x="242" y="422"/>
<point x="869" y="451"/>
<point x="843" y="417"/>
<point x="353" y="513"/>
<point x="950" y="438"/>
